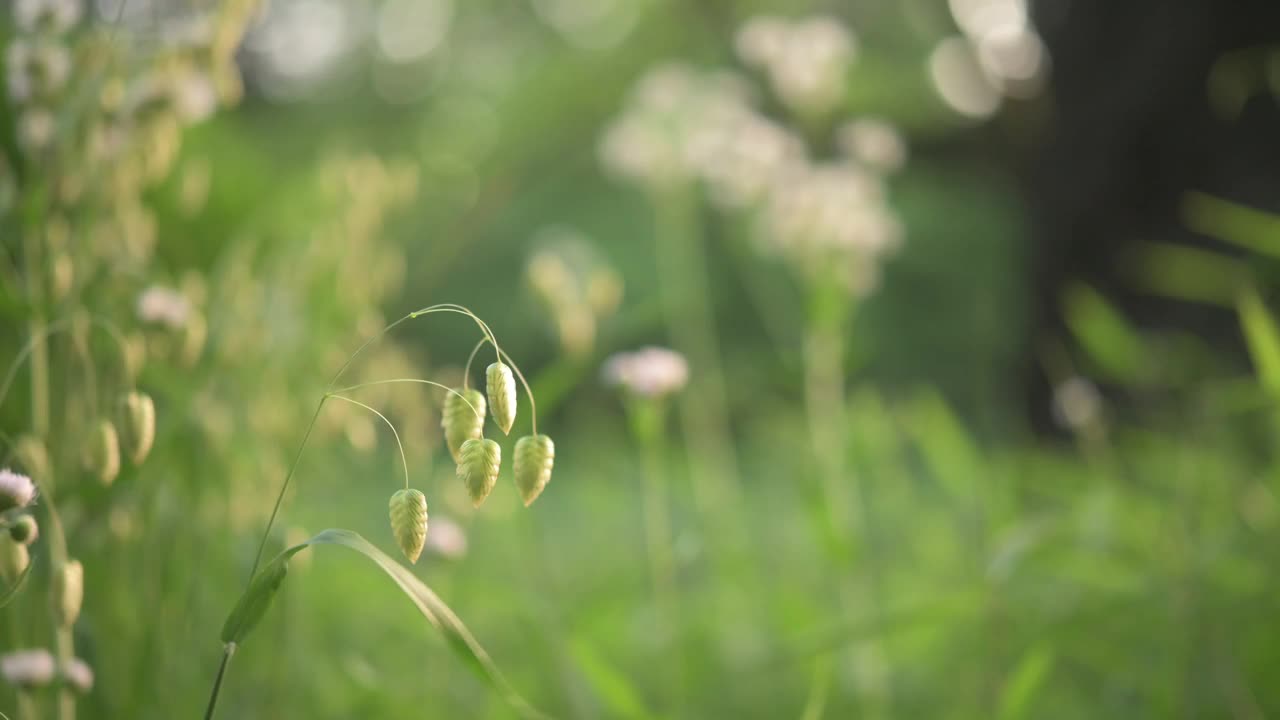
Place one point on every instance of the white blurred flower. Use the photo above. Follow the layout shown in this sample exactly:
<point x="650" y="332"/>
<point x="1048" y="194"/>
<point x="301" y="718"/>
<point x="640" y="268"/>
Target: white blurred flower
<point x="27" y="668"/>
<point x="829" y="216"/>
<point x="661" y="135"/>
<point x="446" y="539"/>
<point x="16" y="490"/>
<point x="195" y="97"/>
<point x="807" y="59"/>
<point x="874" y="143"/>
<point x="56" y="16"/>
<point x="164" y="306"/>
<point x="647" y="372"/>
<point x="36" y="129"/>
<point x="78" y="674"/>
<point x="1077" y="404"/>
<point x="35" y="69"/>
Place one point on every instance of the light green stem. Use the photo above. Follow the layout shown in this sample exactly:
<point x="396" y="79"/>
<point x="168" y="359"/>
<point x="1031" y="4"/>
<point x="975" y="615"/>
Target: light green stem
<point x="646" y="416"/>
<point x="687" y="305"/>
<point x="843" y="496"/>
<point x="403" y="462"/>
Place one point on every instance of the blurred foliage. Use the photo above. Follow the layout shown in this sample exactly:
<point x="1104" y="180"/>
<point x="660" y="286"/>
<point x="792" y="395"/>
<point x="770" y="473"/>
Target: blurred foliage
<point x="1122" y="569"/>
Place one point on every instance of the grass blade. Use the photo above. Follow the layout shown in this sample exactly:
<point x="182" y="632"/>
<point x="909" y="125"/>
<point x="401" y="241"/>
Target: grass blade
<point x="12" y="592"/>
<point x="440" y="615"/>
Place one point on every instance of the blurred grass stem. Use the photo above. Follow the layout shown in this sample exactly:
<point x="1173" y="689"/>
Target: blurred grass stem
<point x="646" y="417"/>
<point x="703" y="405"/>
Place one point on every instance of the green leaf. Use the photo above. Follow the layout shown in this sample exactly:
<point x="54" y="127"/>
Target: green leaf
<point x="1246" y="227"/>
<point x="612" y="686"/>
<point x="441" y="617"/>
<point x="1104" y="334"/>
<point x="1025" y="681"/>
<point x="1260" y="333"/>
<point x="12" y="592"/>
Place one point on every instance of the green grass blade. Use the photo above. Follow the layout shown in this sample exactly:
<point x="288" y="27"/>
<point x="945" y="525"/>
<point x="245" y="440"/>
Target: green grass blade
<point x="1263" y="339"/>
<point x="1025" y="681"/>
<point x="610" y="685"/>
<point x="440" y="615"/>
<point x="12" y="592"/>
<point x="1105" y="335"/>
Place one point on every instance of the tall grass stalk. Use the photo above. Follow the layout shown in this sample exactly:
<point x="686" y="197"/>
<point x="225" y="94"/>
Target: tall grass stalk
<point x="703" y="406"/>
<point x="843" y="498"/>
<point x="646" y="418"/>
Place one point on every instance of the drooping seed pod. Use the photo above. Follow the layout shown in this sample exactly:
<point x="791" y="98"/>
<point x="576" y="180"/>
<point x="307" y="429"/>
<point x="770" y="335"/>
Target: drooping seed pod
<point x="102" y="456"/>
<point x="478" y="469"/>
<point x="255" y="601"/>
<point x="137" y="425"/>
<point x="462" y="422"/>
<point x="24" y="530"/>
<point x="500" y="384"/>
<point x="409" y="522"/>
<point x="66" y="589"/>
<point x="14" y="559"/>
<point x="535" y="454"/>
<point x="33" y="456"/>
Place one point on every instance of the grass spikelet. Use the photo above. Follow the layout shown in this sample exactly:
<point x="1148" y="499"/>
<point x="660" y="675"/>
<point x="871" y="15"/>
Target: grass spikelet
<point x="500" y="383"/>
<point x="478" y="470"/>
<point x="408" y="509"/>
<point x="462" y="422"/>
<point x="535" y="455"/>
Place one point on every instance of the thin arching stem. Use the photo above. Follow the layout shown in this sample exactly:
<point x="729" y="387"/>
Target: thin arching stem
<point x="403" y="462"/>
<point x="533" y="408"/>
<point x="413" y="380"/>
<point x="275" y="510"/>
<point x="466" y="373"/>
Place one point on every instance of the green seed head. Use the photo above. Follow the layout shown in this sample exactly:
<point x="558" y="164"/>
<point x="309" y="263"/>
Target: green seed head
<point x="255" y="601"/>
<point x="478" y="469"/>
<point x="32" y="455"/>
<point x="24" y="530"/>
<point x="137" y="425"/>
<point x="535" y="454"/>
<point x="500" y="383"/>
<point x="67" y="592"/>
<point x="14" y="559"/>
<point x="409" y="522"/>
<point x="462" y="422"/>
<point x="102" y="456"/>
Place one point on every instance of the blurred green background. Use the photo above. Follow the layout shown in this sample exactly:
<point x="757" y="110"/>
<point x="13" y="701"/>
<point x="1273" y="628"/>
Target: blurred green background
<point x="963" y="425"/>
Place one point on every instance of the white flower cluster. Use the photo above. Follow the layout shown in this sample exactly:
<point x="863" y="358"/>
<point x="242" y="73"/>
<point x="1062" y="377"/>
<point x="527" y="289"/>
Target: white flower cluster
<point x="832" y="217"/>
<point x="16" y="490"/>
<point x="647" y="372"/>
<point x="38" y="66"/>
<point x="682" y="124"/>
<point x="998" y="54"/>
<point x="806" y="60"/>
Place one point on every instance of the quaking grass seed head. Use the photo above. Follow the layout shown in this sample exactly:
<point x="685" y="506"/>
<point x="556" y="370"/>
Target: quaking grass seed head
<point x="102" y="456"/>
<point x="33" y="456"/>
<point x="478" y="469"/>
<point x="462" y="422"/>
<point x="24" y="530"/>
<point x="14" y="559"/>
<point x="500" y="383"/>
<point x="137" y="425"/>
<point x="67" y="592"/>
<point x="409" y="522"/>
<point x="534" y="458"/>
